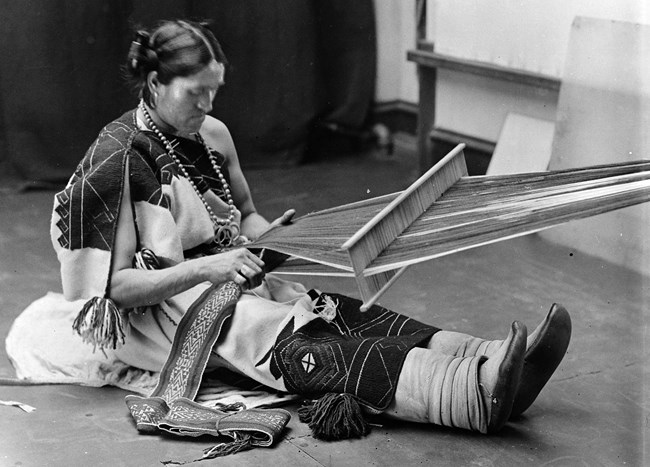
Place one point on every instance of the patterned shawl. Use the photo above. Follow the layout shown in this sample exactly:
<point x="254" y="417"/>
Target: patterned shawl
<point x="84" y="220"/>
<point x="169" y="218"/>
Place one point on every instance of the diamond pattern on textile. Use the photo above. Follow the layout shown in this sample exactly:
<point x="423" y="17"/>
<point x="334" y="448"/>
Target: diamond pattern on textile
<point x="253" y="417"/>
<point x="144" y="413"/>
<point x="308" y="362"/>
<point x="356" y="353"/>
<point x="195" y="339"/>
<point x="185" y="412"/>
<point x="184" y="417"/>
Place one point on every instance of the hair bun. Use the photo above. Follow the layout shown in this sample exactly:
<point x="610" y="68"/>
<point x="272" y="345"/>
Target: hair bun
<point x="141" y="56"/>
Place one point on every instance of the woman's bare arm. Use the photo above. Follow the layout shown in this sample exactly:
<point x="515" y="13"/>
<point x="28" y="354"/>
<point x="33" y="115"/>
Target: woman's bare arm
<point x="136" y="287"/>
<point x="253" y="224"/>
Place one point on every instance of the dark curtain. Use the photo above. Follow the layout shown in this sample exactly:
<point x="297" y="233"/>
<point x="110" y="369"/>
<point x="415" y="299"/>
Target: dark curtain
<point x="269" y="100"/>
<point x="59" y="80"/>
<point x="346" y="51"/>
<point x="294" y="64"/>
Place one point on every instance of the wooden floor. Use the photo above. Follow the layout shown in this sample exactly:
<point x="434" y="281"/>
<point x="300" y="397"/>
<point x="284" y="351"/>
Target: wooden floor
<point x="595" y="411"/>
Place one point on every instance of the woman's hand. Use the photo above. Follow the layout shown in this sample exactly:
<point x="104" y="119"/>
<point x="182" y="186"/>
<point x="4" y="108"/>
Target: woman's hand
<point x="137" y="287"/>
<point x="284" y="219"/>
<point x="239" y="265"/>
<point x="253" y="225"/>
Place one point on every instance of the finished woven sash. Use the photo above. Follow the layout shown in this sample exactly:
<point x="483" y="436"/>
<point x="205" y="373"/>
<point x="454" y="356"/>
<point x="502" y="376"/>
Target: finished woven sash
<point x="171" y="407"/>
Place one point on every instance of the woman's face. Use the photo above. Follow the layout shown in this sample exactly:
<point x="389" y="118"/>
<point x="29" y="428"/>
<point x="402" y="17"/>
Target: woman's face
<point x="183" y="104"/>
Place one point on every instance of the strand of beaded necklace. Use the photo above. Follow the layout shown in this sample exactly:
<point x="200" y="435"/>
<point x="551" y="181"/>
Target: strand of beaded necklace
<point x="226" y="230"/>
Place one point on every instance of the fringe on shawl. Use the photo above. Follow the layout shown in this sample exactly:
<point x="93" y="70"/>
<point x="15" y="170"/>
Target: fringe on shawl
<point x="100" y="322"/>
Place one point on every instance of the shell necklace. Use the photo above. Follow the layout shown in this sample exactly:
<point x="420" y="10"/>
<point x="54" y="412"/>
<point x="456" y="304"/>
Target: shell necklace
<point x="226" y="230"/>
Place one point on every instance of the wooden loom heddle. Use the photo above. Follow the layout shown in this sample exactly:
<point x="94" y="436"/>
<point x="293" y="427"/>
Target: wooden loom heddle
<point x="443" y="212"/>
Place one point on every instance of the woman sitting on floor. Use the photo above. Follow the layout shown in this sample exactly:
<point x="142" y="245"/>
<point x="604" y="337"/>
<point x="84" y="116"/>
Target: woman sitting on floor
<point x="158" y="216"/>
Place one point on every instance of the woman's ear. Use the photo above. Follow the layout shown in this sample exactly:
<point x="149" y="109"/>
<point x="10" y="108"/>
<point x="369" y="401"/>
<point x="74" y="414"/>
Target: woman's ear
<point x="152" y="81"/>
<point x="154" y="85"/>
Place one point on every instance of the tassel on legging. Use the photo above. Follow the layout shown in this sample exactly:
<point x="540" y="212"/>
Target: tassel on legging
<point x="440" y="389"/>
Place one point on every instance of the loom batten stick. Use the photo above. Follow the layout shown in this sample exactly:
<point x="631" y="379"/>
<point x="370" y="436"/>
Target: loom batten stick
<point x="370" y="285"/>
<point x="345" y="269"/>
<point x="358" y="204"/>
<point x="295" y="266"/>
<point x="369" y="241"/>
<point x="361" y="233"/>
<point x="365" y="306"/>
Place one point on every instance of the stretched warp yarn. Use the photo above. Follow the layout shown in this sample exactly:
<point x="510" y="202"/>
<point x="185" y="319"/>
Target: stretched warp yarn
<point x="446" y="211"/>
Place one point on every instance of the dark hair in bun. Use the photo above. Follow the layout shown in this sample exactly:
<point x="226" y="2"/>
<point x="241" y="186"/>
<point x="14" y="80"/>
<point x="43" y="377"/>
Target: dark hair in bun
<point x="172" y="49"/>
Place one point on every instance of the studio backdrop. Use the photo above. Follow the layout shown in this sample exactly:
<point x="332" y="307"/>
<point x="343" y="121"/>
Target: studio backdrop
<point x="294" y="64"/>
